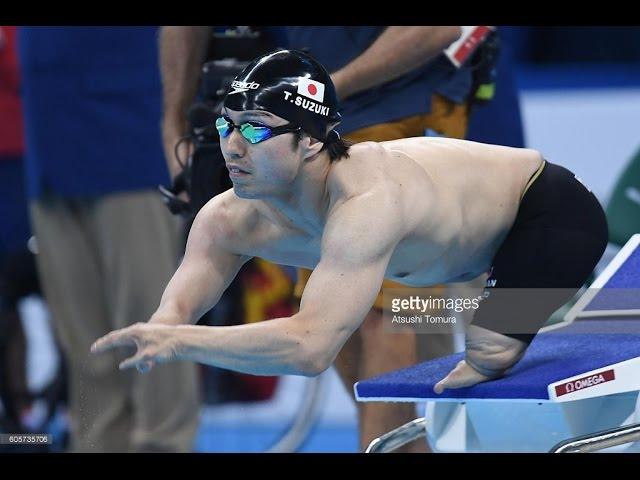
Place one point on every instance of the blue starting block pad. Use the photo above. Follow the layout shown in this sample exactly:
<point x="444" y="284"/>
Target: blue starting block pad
<point x="616" y="291"/>
<point x="590" y="357"/>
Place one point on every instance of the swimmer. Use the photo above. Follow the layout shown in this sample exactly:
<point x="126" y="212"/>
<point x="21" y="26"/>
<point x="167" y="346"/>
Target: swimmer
<point x="442" y="210"/>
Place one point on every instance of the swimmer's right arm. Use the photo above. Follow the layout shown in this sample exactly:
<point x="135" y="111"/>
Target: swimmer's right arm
<point x="204" y="274"/>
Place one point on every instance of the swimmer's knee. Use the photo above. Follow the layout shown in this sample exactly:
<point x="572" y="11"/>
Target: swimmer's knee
<point x="492" y="353"/>
<point x="493" y="364"/>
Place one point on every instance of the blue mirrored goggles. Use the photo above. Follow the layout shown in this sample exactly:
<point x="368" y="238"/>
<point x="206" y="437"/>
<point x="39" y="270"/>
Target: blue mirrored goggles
<point x="253" y="132"/>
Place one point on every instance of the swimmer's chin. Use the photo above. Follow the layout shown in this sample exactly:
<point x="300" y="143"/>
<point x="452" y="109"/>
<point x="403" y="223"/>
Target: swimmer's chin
<point x="242" y="192"/>
<point x="250" y="192"/>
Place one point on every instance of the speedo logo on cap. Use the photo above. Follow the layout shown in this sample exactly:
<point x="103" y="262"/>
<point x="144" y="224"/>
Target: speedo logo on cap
<point x="306" y="104"/>
<point x="311" y="89"/>
<point x="240" y="86"/>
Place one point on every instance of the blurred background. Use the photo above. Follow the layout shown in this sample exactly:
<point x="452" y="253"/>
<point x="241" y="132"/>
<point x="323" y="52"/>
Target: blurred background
<point x="80" y="141"/>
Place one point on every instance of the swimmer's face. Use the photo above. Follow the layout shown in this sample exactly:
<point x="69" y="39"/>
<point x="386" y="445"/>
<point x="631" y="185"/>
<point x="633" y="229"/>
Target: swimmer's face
<point x="267" y="167"/>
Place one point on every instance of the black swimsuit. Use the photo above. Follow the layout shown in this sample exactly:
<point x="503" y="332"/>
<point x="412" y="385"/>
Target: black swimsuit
<point x="558" y="237"/>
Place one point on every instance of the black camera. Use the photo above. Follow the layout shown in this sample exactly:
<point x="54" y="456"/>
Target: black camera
<point x="204" y="174"/>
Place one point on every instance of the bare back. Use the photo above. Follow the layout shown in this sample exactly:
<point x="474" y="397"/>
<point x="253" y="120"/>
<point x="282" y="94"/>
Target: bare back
<point x="456" y="201"/>
<point x="460" y="202"/>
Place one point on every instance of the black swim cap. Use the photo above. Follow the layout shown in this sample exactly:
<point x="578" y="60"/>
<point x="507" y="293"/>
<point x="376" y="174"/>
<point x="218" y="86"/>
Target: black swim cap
<point x="292" y="85"/>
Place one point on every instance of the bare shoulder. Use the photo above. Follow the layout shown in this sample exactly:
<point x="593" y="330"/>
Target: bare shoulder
<point x="361" y="172"/>
<point x="227" y="219"/>
<point x="364" y="198"/>
<point x="362" y="182"/>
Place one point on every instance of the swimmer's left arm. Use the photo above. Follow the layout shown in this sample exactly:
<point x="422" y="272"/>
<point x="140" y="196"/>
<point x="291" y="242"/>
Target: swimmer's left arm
<point x="343" y="287"/>
<point x="338" y="295"/>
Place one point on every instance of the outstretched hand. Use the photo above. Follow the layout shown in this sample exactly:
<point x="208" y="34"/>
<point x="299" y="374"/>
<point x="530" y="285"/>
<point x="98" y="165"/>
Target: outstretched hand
<point x="155" y="343"/>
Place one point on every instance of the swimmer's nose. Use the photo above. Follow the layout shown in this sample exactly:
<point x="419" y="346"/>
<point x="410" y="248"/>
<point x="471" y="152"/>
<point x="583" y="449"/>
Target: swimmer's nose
<point x="234" y="146"/>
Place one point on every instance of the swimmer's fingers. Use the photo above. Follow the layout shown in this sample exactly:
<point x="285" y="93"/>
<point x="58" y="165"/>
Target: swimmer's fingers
<point x="118" y="338"/>
<point x="142" y="361"/>
<point x="461" y="376"/>
<point x="149" y="354"/>
<point x="155" y="344"/>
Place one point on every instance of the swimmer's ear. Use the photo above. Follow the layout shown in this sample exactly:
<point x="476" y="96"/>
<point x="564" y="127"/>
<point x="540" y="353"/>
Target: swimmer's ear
<point x="310" y="145"/>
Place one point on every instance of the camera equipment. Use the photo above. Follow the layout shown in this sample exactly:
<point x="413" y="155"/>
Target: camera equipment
<point x="204" y="174"/>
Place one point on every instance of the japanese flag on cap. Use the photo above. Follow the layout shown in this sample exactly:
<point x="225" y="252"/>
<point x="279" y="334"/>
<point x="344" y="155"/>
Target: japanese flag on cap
<point x="311" y="89"/>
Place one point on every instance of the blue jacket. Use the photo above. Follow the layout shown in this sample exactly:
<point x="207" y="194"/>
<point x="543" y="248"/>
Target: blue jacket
<point x="92" y="108"/>
<point x="408" y="95"/>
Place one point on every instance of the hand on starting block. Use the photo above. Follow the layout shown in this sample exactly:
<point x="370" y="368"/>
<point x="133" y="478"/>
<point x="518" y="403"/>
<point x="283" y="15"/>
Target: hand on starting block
<point x="461" y="376"/>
